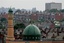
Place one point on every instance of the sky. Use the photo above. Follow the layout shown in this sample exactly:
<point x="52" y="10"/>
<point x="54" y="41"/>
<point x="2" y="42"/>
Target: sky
<point x="28" y="4"/>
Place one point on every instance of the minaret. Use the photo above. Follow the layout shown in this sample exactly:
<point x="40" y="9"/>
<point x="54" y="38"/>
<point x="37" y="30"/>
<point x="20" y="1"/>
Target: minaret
<point x="10" y="30"/>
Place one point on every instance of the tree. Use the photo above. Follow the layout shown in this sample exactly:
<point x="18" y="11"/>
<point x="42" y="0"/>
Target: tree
<point x="62" y="10"/>
<point x="3" y="20"/>
<point x="1" y="26"/>
<point x="53" y="10"/>
<point x="17" y="26"/>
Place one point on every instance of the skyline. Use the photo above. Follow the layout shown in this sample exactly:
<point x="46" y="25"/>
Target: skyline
<point x="28" y="4"/>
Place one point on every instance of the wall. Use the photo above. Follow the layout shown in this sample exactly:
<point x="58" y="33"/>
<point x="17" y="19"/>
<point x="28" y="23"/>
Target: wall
<point x="35" y="42"/>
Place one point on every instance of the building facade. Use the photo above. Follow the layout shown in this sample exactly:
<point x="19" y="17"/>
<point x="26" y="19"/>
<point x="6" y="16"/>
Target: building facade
<point x="49" y="6"/>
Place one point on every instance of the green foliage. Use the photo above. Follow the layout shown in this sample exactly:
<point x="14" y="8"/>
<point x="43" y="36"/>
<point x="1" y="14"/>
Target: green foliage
<point x="53" y="10"/>
<point x="62" y="10"/>
<point x="1" y="26"/>
<point x="3" y="20"/>
<point x="21" y="25"/>
<point x="41" y="20"/>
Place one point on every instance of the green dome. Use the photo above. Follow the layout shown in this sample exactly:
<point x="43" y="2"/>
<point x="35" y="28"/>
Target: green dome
<point x="31" y="30"/>
<point x="10" y="10"/>
<point x="31" y="33"/>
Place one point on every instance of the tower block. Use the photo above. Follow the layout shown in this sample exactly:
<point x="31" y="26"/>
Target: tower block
<point x="10" y="30"/>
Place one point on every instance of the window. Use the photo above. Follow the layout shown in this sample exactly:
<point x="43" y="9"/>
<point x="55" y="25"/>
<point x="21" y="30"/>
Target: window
<point x="36" y="37"/>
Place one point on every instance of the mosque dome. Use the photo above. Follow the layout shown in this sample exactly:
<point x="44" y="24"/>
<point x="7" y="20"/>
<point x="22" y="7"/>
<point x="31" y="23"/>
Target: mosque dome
<point x="31" y="32"/>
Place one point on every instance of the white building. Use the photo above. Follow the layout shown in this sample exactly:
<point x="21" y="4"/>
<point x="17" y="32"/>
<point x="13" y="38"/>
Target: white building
<point x="52" y="5"/>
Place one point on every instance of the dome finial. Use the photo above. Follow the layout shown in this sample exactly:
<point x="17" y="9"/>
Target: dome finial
<point x="10" y="10"/>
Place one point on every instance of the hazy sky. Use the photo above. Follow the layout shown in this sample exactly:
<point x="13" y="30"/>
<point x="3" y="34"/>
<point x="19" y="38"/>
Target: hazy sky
<point x="28" y="4"/>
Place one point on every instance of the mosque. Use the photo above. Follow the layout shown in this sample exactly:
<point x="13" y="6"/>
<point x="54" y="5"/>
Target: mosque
<point x="31" y="33"/>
